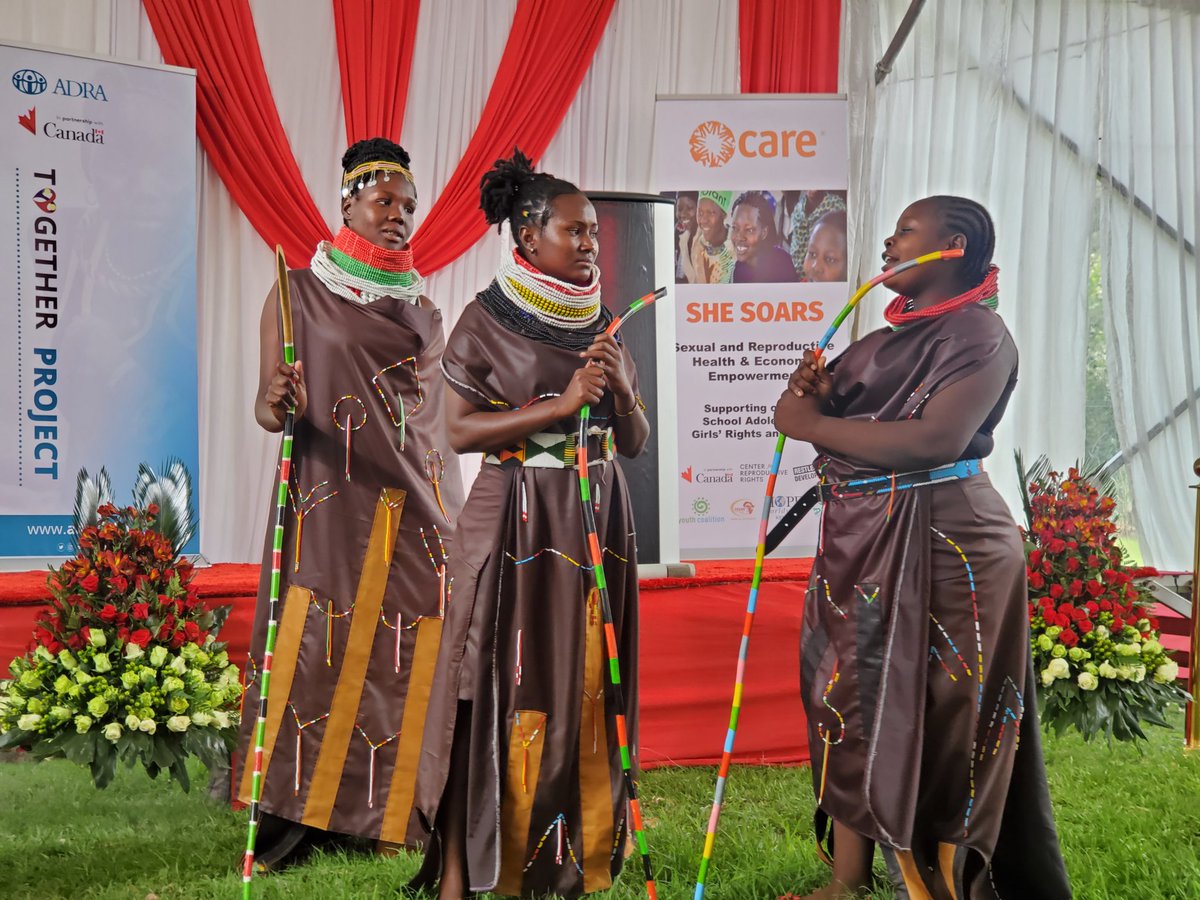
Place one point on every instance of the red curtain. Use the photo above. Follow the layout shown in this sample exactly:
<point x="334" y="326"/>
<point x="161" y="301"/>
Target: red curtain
<point x="375" y="49"/>
<point x="237" y="122"/>
<point x="789" y="46"/>
<point x="549" y="49"/>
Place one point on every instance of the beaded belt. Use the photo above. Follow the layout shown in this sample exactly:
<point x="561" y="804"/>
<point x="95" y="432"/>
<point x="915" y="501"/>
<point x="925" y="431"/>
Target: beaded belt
<point x="865" y="487"/>
<point x="548" y="450"/>
<point x="883" y="484"/>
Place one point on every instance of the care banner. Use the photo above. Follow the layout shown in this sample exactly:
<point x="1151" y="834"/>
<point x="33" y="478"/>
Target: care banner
<point x="98" y="264"/>
<point x="759" y="185"/>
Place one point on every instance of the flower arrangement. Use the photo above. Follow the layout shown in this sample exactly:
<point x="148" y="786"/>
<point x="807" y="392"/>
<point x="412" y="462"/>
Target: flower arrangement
<point x="124" y="663"/>
<point x="1096" y="649"/>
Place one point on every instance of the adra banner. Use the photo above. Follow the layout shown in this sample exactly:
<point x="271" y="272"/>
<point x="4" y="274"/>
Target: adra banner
<point x="759" y="185"/>
<point x="98" y="265"/>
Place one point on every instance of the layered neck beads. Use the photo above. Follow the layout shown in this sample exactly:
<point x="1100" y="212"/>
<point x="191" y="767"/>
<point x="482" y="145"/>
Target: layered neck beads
<point x="900" y="311"/>
<point x="354" y="268"/>
<point x="547" y="299"/>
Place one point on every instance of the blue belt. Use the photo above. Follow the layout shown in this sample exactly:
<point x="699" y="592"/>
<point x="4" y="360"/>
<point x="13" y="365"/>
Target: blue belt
<point x="866" y="487"/>
<point x="883" y="484"/>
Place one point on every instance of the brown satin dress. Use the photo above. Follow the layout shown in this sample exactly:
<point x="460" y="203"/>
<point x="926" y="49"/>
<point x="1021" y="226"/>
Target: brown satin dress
<point x="523" y="646"/>
<point x="361" y="598"/>
<point x="915" y="660"/>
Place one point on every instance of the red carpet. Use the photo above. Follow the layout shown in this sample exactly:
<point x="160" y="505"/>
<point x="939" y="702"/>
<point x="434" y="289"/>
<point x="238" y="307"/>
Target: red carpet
<point x="691" y="628"/>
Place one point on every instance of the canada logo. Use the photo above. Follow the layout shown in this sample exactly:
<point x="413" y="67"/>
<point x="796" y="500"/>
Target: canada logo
<point x="686" y="474"/>
<point x="29" y="120"/>
<point x="712" y="144"/>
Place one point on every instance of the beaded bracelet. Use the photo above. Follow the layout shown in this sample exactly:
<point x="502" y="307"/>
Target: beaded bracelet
<point x="637" y="404"/>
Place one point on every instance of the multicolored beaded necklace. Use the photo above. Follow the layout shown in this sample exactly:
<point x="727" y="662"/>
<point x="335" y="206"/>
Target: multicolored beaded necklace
<point x="534" y="305"/>
<point x="354" y="268"/>
<point x="900" y="312"/>
<point x="547" y="299"/>
<point x="355" y="254"/>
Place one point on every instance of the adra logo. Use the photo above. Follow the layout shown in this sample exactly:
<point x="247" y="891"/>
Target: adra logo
<point x="83" y="90"/>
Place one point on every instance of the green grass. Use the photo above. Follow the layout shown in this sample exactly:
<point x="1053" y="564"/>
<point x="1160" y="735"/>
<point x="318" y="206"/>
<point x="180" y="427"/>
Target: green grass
<point x="1129" y="824"/>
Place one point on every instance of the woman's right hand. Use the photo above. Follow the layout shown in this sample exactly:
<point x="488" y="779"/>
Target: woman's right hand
<point x="586" y="389"/>
<point x="811" y="380"/>
<point x="286" y="388"/>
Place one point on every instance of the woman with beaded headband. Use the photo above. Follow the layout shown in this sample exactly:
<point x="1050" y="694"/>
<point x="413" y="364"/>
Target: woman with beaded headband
<point x="520" y="778"/>
<point x="363" y="568"/>
<point x="915" y="665"/>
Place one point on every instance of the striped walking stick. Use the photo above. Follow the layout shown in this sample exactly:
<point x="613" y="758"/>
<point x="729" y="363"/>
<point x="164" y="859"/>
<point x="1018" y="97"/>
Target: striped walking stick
<point x="610" y="636"/>
<point x="710" y="837"/>
<point x="285" y="467"/>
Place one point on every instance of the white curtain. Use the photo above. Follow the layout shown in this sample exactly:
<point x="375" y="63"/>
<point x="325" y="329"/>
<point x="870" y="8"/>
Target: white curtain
<point x="649" y="47"/>
<point x="1149" y="211"/>
<point x="996" y="101"/>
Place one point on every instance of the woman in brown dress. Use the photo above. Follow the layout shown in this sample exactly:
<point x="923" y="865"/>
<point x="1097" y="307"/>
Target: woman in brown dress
<point x="520" y="776"/>
<point x="368" y="529"/>
<point x="915" y="660"/>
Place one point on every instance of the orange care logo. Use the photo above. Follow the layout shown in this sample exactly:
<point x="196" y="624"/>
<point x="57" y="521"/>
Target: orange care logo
<point x="714" y="143"/>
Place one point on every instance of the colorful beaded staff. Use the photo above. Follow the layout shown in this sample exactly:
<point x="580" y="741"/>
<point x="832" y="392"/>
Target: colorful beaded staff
<point x="285" y="470"/>
<point x="614" y="668"/>
<point x="751" y="604"/>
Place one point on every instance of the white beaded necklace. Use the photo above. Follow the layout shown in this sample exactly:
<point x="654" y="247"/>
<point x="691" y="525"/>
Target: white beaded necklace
<point x="361" y="290"/>
<point x="547" y="299"/>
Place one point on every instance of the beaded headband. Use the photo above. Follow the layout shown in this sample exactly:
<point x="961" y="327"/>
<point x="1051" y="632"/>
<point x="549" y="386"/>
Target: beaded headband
<point x="372" y="168"/>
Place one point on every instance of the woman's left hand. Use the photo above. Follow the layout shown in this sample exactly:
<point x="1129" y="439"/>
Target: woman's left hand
<point x="797" y="416"/>
<point x="606" y="353"/>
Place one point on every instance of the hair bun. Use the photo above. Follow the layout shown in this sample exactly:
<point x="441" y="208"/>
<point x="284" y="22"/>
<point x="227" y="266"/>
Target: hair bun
<point x="501" y="185"/>
<point x="376" y="149"/>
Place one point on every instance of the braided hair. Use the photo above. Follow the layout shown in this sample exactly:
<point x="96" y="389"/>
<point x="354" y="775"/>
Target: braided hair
<point x="766" y="212"/>
<point x="968" y="218"/>
<point x="512" y="191"/>
<point x="376" y="149"/>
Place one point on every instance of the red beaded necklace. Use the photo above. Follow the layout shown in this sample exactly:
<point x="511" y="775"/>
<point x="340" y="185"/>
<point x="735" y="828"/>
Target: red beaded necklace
<point x="371" y="255"/>
<point x="899" y="314"/>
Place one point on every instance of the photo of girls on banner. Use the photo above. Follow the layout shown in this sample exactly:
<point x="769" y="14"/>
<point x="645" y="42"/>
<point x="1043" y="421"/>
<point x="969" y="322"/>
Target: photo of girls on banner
<point x="759" y="186"/>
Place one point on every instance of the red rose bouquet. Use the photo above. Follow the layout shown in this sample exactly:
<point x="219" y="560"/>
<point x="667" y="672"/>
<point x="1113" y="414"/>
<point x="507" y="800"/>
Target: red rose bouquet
<point x="124" y="662"/>
<point x="1095" y="640"/>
